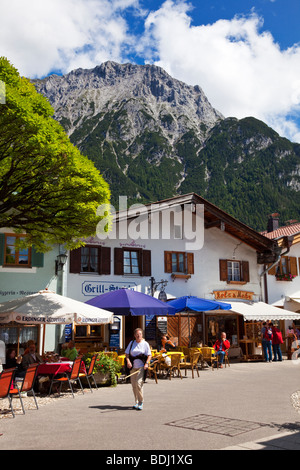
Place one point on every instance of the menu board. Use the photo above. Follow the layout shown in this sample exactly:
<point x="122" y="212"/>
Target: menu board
<point x="150" y="328"/>
<point x="162" y="325"/>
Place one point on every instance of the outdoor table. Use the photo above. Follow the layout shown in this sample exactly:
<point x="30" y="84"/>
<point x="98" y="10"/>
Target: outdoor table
<point x="54" y="368"/>
<point x="49" y="368"/>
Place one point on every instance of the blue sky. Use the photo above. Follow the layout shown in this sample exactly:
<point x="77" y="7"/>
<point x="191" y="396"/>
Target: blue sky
<point x="244" y="54"/>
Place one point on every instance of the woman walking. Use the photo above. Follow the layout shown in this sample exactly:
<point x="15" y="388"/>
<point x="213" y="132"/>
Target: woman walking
<point x="138" y="355"/>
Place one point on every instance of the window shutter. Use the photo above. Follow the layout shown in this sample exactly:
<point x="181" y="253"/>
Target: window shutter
<point x="118" y="261"/>
<point x="2" y="248"/>
<point x="245" y="271"/>
<point x="190" y="263"/>
<point x="293" y="266"/>
<point x="272" y="271"/>
<point x="37" y="259"/>
<point x="146" y="269"/>
<point x="168" y="262"/>
<point x="75" y="260"/>
<point x="104" y="253"/>
<point x="223" y="269"/>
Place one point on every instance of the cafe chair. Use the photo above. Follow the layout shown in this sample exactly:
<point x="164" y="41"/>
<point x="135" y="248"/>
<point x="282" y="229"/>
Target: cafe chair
<point x="27" y="385"/>
<point x="174" y="366"/>
<point x="152" y="368"/>
<point x="209" y="356"/>
<point x="6" y="378"/>
<point x="226" y="360"/>
<point x="72" y="377"/>
<point x="90" y="373"/>
<point x="193" y="363"/>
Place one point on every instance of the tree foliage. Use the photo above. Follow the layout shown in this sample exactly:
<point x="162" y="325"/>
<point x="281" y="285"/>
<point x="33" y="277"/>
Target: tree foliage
<point x="48" y="189"/>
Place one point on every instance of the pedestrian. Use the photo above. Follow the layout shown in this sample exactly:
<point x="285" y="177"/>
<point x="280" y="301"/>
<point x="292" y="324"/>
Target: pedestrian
<point x="267" y="335"/>
<point x="138" y="356"/>
<point x="276" y="342"/>
<point x="221" y="346"/>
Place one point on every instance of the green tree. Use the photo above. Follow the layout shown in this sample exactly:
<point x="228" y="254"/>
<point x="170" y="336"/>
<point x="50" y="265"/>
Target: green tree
<point x="48" y="189"/>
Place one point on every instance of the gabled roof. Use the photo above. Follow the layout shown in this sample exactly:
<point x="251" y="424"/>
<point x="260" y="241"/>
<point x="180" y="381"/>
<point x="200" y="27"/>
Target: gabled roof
<point x="216" y="217"/>
<point x="292" y="230"/>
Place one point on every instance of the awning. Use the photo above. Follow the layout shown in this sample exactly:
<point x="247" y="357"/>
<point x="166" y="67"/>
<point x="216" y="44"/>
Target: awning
<point x="260" y="311"/>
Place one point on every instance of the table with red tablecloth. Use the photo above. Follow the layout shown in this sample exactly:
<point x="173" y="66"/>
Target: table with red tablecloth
<point x="49" y="368"/>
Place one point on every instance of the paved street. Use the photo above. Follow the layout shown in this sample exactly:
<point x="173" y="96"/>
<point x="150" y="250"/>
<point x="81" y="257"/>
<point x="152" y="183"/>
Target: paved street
<point x="246" y="406"/>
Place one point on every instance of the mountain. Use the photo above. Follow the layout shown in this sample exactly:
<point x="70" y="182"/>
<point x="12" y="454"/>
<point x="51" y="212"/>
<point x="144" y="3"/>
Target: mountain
<point x="152" y="137"/>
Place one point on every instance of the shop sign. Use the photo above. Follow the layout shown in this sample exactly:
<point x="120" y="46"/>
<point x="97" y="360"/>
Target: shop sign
<point x="233" y="294"/>
<point x="93" y="288"/>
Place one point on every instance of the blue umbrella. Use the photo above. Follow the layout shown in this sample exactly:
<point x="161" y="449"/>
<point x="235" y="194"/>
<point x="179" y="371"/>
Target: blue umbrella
<point x="130" y="302"/>
<point x="197" y="304"/>
<point x="188" y="303"/>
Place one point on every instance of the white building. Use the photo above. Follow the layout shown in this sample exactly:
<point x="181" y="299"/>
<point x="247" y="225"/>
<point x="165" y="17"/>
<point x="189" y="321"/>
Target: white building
<point x="188" y="242"/>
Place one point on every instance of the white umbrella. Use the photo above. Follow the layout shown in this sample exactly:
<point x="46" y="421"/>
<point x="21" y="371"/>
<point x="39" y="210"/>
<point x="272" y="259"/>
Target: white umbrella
<point x="46" y="307"/>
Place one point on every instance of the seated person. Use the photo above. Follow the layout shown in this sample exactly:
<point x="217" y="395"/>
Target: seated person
<point x="69" y="351"/>
<point x="32" y="357"/>
<point x="220" y="347"/>
<point x="14" y="362"/>
<point x="167" y="344"/>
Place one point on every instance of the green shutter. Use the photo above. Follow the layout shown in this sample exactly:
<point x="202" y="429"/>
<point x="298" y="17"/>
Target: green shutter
<point x="2" y="247"/>
<point x="37" y="259"/>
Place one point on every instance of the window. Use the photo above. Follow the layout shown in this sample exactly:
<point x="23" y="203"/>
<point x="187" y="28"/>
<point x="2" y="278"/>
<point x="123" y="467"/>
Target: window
<point x="179" y="262"/>
<point x="15" y="255"/>
<point x="234" y="272"/>
<point x="132" y="262"/>
<point x="90" y="259"/>
<point x="287" y="265"/>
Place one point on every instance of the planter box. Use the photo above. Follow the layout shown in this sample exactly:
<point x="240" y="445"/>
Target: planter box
<point x="102" y="379"/>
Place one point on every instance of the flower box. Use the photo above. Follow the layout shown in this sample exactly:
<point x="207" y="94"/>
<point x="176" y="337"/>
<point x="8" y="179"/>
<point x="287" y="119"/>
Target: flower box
<point x="285" y="277"/>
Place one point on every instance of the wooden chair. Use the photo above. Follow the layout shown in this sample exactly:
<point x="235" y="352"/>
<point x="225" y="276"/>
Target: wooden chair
<point x="175" y="365"/>
<point x="193" y="363"/>
<point x="27" y="385"/>
<point x="6" y="378"/>
<point x="90" y="373"/>
<point x="152" y="368"/>
<point x="209" y="355"/>
<point x="74" y="377"/>
<point x="226" y="360"/>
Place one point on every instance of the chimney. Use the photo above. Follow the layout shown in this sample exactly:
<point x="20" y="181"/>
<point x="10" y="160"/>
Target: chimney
<point x="273" y="222"/>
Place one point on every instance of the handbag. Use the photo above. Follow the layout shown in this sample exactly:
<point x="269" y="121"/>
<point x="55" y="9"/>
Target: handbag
<point x="127" y="370"/>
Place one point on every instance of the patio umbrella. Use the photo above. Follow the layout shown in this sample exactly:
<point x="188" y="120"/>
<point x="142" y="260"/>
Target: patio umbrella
<point x="192" y="303"/>
<point x="130" y="302"/>
<point x="46" y="307"/>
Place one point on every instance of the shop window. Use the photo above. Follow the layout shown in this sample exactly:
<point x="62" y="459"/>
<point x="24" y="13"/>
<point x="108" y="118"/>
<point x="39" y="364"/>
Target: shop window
<point x="132" y="262"/>
<point x="14" y="335"/>
<point x="234" y="272"/>
<point x="90" y="259"/>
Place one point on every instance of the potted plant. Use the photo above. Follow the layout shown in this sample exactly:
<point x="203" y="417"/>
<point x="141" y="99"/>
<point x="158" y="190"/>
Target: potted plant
<point x="106" y="368"/>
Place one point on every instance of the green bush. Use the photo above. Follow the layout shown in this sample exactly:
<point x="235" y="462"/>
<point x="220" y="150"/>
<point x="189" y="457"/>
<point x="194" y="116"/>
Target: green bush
<point x="104" y="364"/>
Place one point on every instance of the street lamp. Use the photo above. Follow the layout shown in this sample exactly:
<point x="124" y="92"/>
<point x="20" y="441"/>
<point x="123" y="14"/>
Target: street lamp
<point x="61" y="259"/>
<point x="154" y="285"/>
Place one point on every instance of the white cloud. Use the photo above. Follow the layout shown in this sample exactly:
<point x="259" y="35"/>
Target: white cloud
<point x="42" y="35"/>
<point x="242" y="70"/>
